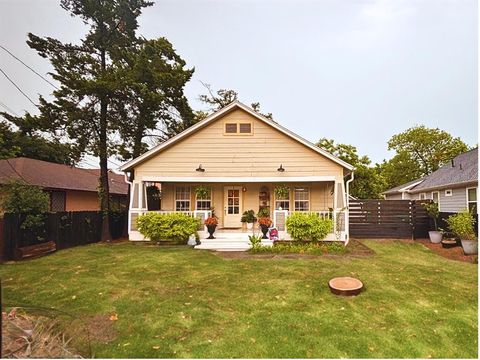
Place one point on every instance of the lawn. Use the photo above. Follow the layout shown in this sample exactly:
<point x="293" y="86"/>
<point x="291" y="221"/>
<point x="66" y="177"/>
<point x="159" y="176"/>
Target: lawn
<point x="180" y="302"/>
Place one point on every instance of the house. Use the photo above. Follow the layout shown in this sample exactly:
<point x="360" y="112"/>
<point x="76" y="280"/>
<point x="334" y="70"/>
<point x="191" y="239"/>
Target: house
<point x="454" y="186"/>
<point x="70" y="188"/>
<point x="241" y="157"/>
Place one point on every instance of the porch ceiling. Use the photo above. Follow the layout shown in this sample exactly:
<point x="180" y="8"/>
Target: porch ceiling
<point x="243" y="179"/>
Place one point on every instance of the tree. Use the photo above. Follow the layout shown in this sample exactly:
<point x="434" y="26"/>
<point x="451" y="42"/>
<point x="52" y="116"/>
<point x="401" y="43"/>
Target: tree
<point x="31" y="144"/>
<point x="152" y="102"/>
<point x="427" y="147"/>
<point x="87" y="77"/>
<point x="220" y="99"/>
<point x="367" y="183"/>
<point x="399" y="170"/>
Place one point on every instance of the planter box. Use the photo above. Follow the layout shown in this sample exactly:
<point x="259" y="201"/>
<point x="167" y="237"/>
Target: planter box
<point x="34" y="250"/>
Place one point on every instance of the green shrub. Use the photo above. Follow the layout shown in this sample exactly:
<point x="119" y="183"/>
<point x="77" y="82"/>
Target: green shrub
<point x="167" y="227"/>
<point x="461" y="225"/>
<point x="255" y="241"/>
<point x="308" y="226"/>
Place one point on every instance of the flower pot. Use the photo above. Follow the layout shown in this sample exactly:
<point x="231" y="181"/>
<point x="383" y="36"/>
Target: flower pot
<point x="435" y="236"/>
<point x="249" y="226"/>
<point x="470" y="247"/>
<point x="211" y="230"/>
<point x="264" y="229"/>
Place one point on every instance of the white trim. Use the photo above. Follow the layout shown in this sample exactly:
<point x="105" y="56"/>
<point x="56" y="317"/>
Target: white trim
<point x="438" y="202"/>
<point x="410" y="186"/>
<point x="218" y="114"/>
<point x="466" y="197"/>
<point x="424" y="196"/>
<point x="232" y="179"/>
<point x="449" y="194"/>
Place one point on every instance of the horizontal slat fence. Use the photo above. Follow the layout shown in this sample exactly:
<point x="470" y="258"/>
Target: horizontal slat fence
<point x="66" y="229"/>
<point x="387" y="219"/>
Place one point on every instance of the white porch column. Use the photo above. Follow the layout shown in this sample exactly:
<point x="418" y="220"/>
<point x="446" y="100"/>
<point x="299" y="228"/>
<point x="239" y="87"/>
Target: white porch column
<point x="138" y="205"/>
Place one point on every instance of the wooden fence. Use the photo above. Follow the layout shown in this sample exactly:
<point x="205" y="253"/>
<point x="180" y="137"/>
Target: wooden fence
<point x="388" y="219"/>
<point x="65" y="229"/>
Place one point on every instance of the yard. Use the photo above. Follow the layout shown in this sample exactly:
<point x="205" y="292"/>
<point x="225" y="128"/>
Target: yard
<point x="177" y="302"/>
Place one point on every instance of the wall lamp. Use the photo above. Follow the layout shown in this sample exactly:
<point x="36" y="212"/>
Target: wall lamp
<point x="281" y="168"/>
<point x="200" y="169"/>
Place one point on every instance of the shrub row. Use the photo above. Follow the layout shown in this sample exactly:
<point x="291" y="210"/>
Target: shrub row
<point x="167" y="227"/>
<point x="308" y="226"/>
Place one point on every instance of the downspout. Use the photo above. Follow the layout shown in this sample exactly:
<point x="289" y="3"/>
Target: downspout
<point x="347" y="215"/>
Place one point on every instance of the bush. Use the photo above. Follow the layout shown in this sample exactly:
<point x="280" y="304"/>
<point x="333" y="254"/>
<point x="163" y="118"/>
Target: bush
<point x="461" y="225"/>
<point x="308" y="226"/>
<point x="167" y="227"/>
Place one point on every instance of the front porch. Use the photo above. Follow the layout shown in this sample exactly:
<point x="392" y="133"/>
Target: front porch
<point x="228" y="201"/>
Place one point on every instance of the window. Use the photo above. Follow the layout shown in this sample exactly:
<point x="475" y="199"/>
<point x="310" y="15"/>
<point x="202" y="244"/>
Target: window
<point x="449" y="192"/>
<point x="422" y="196"/>
<point x="282" y="203"/>
<point x="472" y="200"/>
<point x="57" y="201"/>
<point x="205" y="202"/>
<point x="182" y="198"/>
<point x="154" y="195"/>
<point x="435" y="196"/>
<point x="230" y="128"/>
<point x="302" y="199"/>
<point x="246" y="128"/>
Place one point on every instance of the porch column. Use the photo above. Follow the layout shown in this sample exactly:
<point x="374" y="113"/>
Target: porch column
<point x="138" y="205"/>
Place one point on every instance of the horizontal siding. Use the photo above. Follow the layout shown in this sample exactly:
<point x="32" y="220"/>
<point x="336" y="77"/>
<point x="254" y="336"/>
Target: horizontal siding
<point x="454" y="203"/>
<point x="254" y="155"/>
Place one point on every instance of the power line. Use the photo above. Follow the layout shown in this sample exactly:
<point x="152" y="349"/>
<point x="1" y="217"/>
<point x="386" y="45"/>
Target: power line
<point x="7" y="108"/>
<point x="28" y="67"/>
<point x="18" y="88"/>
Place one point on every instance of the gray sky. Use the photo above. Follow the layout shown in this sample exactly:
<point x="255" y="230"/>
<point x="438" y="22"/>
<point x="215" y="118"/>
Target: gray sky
<point x="357" y="71"/>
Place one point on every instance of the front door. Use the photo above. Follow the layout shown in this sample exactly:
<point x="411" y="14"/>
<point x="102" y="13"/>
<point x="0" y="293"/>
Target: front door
<point x="233" y="206"/>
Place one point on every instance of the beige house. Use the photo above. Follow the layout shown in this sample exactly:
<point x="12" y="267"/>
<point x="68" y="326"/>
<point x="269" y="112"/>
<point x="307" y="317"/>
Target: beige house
<point x="240" y="157"/>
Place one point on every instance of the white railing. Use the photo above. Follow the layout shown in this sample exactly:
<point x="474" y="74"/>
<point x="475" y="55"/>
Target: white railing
<point x="339" y="218"/>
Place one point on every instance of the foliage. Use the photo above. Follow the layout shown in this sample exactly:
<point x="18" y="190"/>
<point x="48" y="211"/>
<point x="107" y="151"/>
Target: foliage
<point x="462" y="225"/>
<point x="169" y="227"/>
<point x="202" y="192"/>
<point x="255" y="241"/>
<point x="368" y="182"/>
<point x="153" y="191"/>
<point x="302" y="248"/>
<point x="308" y="226"/>
<point x="399" y="170"/>
<point x="25" y="142"/>
<point x="211" y="220"/>
<point x="263" y="212"/>
<point x="265" y="221"/>
<point x="282" y="191"/>
<point x="433" y="212"/>
<point x="428" y="148"/>
<point x="21" y="198"/>
<point x="221" y="98"/>
<point x="248" y="217"/>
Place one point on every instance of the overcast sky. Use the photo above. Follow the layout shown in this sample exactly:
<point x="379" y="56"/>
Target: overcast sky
<point x="356" y="71"/>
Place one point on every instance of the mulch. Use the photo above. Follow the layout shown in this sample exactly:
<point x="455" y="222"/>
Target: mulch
<point x="455" y="253"/>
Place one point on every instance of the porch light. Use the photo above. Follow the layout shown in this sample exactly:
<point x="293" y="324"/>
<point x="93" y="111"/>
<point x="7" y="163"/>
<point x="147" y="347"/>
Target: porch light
<point x="200" y="169"/>
<point x="281" y="169"/>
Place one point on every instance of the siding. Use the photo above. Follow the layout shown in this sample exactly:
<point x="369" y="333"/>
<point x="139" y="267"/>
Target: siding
<point x="454" y="203"/>
<point x="259" y="154"/>
<point x="393" y="197"/>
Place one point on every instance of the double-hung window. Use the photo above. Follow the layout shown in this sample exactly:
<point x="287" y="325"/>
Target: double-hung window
<point x="302" y="199"/>
<point x="283" y="202"/>
<point x="182" y="198"/>
<point x="472" y="200"/>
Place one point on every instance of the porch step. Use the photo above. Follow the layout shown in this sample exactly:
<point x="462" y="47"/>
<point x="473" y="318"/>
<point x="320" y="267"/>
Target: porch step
<point x="226" y="244"/>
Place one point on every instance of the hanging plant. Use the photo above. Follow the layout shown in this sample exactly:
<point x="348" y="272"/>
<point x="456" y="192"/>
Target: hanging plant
<point x="153" y="191"/>
<point x="202" y="192"/>
<point x="282" y="191"/>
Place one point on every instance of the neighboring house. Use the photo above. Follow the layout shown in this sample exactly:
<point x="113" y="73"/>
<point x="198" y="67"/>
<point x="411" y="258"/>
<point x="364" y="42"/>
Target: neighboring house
<point x="454" y="186"/>
<point x="240" y="156"/>
<point x="70" y="188"/>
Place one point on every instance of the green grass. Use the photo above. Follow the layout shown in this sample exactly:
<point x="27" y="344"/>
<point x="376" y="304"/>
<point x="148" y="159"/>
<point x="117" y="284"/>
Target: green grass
<point x="180" y="302"/>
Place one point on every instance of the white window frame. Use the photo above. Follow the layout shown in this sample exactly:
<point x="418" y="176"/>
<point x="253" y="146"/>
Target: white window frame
<point x="448" y="192"/>
<point x="468" y="202"/>
<point x="177" y="200"/>
<point x="305" y="188"/>
<point x="438" y="194"/>
<point x="424" y="195"/>
<point x="204" y="200"/>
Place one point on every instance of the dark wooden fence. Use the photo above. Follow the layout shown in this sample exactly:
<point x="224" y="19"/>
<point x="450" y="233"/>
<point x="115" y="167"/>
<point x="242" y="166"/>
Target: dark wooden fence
<point x="66" y="229"/>
<point x="388" y="219"/>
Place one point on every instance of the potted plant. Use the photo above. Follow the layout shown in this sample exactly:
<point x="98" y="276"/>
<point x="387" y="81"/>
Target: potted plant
<point x="202" y="192"/>
<point x="461" y="225"/>
<point x="211" y="222"/>
<point x="249" y="218"/>
<point x="265" y="222"/>
<point x="282" y="191"/>
<point x="433" y="212"/>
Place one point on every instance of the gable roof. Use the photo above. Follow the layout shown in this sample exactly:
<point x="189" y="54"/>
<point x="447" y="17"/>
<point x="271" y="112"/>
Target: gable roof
<point x="230" y="107"/>
<point x="403" y="188"/>
<point x="57" y="176"/>
<point x="462" y="169"/>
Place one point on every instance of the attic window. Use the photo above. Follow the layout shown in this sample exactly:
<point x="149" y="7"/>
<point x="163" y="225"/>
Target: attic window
<point x="246" y="128"/>
<point x="230" y="128"/>
<point x="448" y="192"/>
